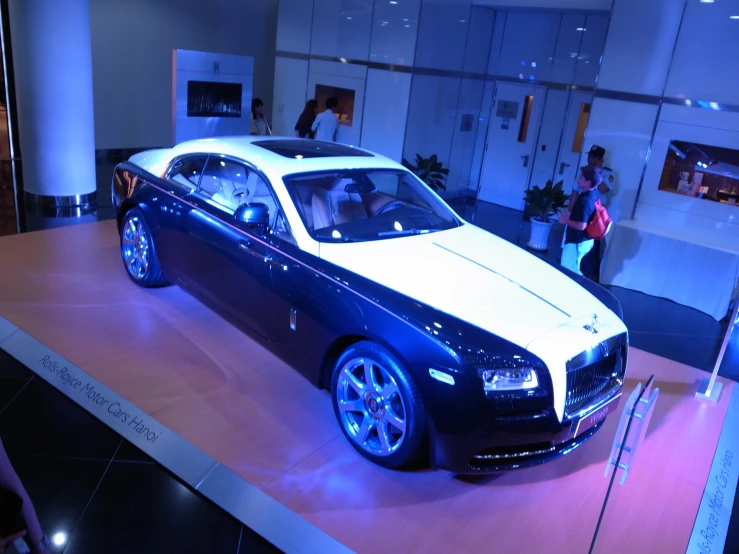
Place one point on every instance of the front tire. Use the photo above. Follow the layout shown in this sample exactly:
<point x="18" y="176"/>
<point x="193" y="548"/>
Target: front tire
<point x="378" y="406"/>
<point x="137" y="251"/>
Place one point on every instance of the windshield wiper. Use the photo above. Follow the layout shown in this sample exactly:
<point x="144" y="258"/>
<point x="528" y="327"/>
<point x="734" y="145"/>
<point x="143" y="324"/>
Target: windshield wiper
<point x="403" y="232"/>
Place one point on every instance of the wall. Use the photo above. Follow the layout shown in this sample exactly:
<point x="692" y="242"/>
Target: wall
<point x="214" y="68"/>
<point x="658" y="83"/>
<point x="337" y="43"/>
<point x="422" y="95"/>
<point x="132" y="44"/>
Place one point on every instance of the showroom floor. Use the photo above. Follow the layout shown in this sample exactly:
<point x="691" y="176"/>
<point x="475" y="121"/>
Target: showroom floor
<point x="111" y="480"/>
<point x="101" y="493"/>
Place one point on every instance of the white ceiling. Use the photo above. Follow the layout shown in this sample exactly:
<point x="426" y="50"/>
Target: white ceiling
<point x="585" y="5"/>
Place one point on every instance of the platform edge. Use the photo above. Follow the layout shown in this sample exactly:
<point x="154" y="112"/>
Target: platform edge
<point x="714" y="513"/>
<point x="247" y="503"/>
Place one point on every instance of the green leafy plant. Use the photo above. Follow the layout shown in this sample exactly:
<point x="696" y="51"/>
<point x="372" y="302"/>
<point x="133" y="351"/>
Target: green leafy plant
<point x="543" y="202"/>
<point x="430" y="170"/>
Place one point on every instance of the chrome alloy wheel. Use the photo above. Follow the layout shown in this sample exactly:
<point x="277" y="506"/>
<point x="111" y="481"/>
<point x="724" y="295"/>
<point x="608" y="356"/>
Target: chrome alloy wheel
<point x="371" y="407"/>
<point x="135" y="248"/>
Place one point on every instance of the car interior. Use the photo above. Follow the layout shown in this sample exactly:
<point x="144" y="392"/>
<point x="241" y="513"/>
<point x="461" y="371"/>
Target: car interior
<point x="227" y="185"/>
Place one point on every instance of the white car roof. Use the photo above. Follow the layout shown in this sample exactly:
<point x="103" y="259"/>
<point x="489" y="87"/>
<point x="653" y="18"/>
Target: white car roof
<point x="297" y="155"/>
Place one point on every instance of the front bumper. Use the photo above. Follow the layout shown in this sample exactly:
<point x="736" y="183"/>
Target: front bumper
<point x="511" y="443"/>
<point x="472" y="434"/>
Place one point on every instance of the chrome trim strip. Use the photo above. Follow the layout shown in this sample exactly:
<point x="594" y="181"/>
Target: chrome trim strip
<point x="55" y="202"/>
<point x="504" y="277"/>
<point x="597" y="92"/>
<point x="334" y="280"/>
<point x="275" y="522"/>
<point x="430" y="71"/>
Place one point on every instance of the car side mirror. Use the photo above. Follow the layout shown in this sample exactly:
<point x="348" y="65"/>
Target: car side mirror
<point x="253" y="215"/>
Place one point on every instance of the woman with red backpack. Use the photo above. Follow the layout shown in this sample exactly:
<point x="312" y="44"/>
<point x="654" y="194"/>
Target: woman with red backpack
<point x="587" y="221"/>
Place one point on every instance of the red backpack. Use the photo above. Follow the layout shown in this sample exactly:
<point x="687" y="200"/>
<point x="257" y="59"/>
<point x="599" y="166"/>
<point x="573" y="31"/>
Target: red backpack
<point x="600" y="223"/>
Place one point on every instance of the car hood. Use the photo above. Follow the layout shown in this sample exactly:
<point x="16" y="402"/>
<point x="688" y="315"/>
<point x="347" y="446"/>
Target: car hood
<point x="479" y="278"/>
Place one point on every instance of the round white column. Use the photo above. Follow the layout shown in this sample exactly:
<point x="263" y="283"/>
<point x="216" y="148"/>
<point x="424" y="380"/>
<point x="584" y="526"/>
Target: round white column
<point x="52" y="63"/>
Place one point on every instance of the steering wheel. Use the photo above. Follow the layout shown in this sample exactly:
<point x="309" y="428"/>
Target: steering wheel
<point x="394" y="205"/>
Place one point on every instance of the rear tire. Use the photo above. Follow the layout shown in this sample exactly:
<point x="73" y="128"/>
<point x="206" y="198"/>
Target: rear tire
<point x="378" y="406"/>
<point x="138" y="253"/>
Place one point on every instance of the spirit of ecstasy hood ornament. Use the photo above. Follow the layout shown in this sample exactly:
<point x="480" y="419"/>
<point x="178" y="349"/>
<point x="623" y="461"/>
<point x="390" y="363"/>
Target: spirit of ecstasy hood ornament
<point x="593" y="327"/>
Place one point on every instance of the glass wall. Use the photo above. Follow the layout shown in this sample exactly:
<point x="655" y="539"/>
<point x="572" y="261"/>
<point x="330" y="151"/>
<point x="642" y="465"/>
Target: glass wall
<point x="504" y="101"/>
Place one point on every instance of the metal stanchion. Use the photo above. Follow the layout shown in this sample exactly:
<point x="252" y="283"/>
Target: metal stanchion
<point x="710" y="388"/>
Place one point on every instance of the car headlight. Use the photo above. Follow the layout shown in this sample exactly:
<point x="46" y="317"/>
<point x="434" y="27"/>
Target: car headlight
<point x="522" y="378"/>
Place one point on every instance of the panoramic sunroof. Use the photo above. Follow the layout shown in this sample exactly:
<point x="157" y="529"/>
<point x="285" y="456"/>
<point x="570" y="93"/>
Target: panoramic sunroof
<point x="309" y="149"/>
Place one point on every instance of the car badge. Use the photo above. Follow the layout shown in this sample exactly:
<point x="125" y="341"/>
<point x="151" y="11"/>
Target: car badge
<point x="593" y="327"/>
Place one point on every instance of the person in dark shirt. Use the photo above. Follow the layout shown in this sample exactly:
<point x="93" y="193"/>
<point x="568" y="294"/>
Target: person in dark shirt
<point x="577" y="243"/>
<point x="306" y="119"/>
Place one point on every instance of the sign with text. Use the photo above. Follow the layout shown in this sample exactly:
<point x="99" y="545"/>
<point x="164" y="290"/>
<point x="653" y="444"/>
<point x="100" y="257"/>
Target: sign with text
<point x="712" y="521"/>
<point x="143" y="431"/>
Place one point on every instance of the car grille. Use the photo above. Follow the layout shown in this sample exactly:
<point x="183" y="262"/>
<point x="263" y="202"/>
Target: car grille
<point x="592" y="383"/>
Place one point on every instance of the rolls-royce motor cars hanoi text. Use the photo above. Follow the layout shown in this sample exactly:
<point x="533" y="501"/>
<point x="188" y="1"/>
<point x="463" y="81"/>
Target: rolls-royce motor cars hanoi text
<point x="434" y="337"/>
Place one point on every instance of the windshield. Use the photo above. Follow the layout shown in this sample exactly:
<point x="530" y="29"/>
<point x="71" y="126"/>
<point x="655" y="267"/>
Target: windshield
<point x="367" y="204"/>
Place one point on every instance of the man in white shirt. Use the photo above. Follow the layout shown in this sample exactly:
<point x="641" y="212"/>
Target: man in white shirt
<point x="326" y="122"/>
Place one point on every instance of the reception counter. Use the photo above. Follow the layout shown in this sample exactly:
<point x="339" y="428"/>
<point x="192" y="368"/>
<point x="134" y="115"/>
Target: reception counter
<point x="692" y="270"/>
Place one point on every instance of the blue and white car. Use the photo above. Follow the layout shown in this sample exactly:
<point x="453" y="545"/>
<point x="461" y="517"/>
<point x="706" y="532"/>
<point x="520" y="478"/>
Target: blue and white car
<point x="435" y="337"/>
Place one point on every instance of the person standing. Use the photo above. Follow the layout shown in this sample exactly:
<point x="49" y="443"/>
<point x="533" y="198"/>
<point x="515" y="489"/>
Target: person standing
<point x="326" y="123"/>
<point x="577" y="242"/>
<point x="303" y="128"/>
<point x="603" y="190"/>
<point x="259" y="123"/>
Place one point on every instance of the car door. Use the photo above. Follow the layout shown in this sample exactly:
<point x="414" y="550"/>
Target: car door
<point x="170" y="235"/>
<point x="228" y="266"/>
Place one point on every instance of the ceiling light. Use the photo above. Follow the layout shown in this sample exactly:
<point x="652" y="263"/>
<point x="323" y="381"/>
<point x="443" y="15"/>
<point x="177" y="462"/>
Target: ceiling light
<point x="706" y="1"/>
<point x="582" y="29"/>
<point x="734" y="17"/>
<point x="393" y="2"/>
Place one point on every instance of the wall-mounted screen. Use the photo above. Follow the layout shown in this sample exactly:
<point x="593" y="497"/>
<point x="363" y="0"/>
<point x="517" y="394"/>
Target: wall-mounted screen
<point x="701" y="171"/>
<point x="345" y="96"/>
<point x="209" y="99"/>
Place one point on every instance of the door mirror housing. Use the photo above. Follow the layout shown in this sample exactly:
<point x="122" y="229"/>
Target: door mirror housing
<point x="253" y="215"/>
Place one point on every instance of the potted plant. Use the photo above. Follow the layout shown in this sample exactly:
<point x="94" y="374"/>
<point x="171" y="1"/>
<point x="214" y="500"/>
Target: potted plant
<point x="544" y="203"/>
<point x="430" y="170"/>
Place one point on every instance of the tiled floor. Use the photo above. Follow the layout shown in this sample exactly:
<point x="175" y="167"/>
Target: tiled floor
<point x="97" y="493"/>
<point x="108" y="497"/>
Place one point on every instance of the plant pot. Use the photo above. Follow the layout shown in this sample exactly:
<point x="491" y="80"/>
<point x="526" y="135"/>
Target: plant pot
<point x="540" y="230"/>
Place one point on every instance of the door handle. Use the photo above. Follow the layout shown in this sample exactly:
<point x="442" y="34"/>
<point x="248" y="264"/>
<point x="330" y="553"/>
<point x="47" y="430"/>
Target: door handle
<point x="248" y="247"/>
<point x="562" y="167"/>
<point x="525" y="160"/>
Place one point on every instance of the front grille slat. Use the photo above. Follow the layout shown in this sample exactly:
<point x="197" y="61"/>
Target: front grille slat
<point x="590" y="384"/>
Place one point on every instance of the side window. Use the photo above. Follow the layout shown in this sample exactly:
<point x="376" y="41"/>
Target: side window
<point x="261" y="193"/>
<point x="187" y="171"/>
<point x="228" y="184"/>
<point x="224" y="182"/>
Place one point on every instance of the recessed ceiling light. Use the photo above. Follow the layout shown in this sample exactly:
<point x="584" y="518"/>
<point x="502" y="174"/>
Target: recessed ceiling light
<point x="583" y="29"/>
<point x="734" y="17"/>
<point x="393" y="1"/>
<point x="706" y="1"/>
<point x="349" y="17"/>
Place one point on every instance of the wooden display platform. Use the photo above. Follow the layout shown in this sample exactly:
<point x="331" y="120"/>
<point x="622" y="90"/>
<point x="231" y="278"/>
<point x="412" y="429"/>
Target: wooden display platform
<point x="218" y="389"/>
